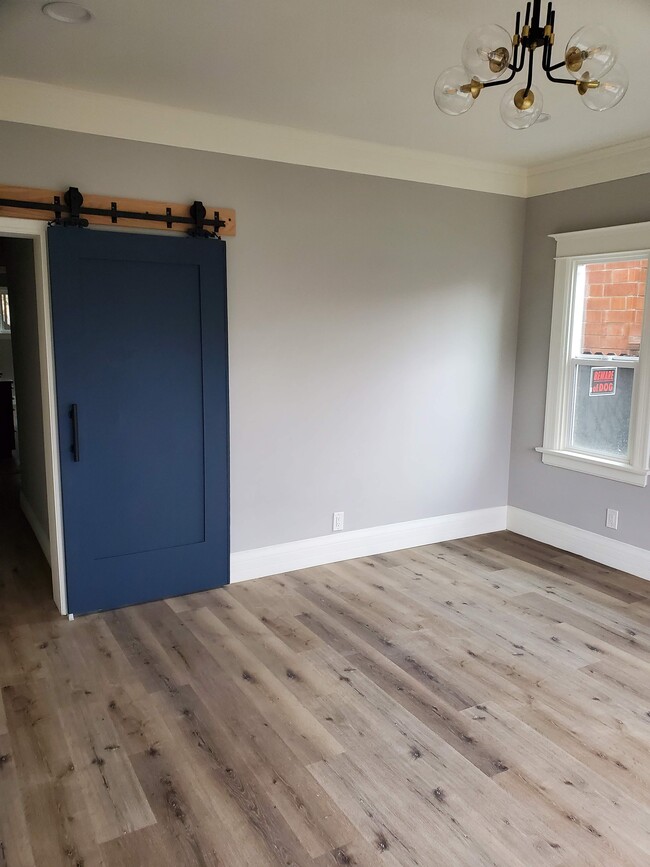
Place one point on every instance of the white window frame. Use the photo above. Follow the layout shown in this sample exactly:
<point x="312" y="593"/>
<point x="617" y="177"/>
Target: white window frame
<point x="573" y="249"/>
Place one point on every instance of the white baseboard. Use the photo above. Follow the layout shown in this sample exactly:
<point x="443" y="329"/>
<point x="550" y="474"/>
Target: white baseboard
<point x="321" y="550"/>
<point x="602" y="549"/>
<point x="37" y="527"/>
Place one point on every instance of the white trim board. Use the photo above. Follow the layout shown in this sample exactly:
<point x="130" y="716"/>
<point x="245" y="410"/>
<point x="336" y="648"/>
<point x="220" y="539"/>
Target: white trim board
<point x="602" y="549"/>
<point x="321" y="550"/>
<point x="48" y="105"/>
<point x="625" y="160"/>
<point x="41" y="104"/>
<point x="36" y="526"/>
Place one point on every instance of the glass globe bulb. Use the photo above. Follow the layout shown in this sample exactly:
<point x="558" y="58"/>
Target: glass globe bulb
<point x="449" y="94"/>
<point x="486" y="52"/>
<point x="591" y="52"/>
<point x="611" y="89"/>
<point x="520" y="110"/>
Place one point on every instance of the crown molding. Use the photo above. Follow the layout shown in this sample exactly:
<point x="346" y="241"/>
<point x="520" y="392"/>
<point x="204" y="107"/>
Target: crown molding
<point x="596" y="167"/>
<point x="40" y="104"/>
<point x="48" y="105"/>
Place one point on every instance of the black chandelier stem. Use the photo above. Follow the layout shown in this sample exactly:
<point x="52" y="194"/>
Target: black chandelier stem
<point x="529" y="80"/>
<point x="537" y="11"/>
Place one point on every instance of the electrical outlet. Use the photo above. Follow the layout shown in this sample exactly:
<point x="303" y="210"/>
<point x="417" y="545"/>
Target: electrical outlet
<point x="612" y="519"/>
<point x="337" y="521"/>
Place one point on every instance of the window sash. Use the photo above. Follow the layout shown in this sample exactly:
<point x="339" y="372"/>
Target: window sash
<point x="572" y="377"/>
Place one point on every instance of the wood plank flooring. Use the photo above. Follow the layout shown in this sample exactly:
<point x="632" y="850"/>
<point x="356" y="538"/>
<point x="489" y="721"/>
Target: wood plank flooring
<point x="482" y="702"/>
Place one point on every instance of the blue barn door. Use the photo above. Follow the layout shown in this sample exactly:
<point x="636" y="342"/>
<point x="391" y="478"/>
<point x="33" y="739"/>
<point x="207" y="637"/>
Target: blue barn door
<point x="141" y="360"/>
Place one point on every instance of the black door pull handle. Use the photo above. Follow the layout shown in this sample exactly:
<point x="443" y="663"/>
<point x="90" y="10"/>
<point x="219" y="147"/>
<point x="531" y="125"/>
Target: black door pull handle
<point x="74" y="448"/>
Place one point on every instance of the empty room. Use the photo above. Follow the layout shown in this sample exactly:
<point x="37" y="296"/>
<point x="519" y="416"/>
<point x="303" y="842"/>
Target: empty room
<point x="324" y="433"/>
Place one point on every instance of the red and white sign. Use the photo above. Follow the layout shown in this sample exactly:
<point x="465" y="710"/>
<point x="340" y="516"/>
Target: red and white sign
<point x="603" y="381"/>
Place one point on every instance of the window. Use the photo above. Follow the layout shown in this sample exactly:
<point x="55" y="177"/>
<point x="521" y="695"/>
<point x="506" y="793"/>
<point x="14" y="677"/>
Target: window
<point x="5" y="315"/>
<point x="598" y="393"/>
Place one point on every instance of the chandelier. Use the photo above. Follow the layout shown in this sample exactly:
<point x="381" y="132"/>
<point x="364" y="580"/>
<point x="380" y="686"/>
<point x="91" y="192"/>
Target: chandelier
<point x="490" y="57"/>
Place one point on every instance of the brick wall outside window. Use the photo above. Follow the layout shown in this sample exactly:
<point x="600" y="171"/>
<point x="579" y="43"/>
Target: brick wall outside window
<point x="614" y="298"/>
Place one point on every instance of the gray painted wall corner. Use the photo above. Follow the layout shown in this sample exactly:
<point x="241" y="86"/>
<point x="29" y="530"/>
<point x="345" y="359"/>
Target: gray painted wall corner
<point x="573" y="498"/>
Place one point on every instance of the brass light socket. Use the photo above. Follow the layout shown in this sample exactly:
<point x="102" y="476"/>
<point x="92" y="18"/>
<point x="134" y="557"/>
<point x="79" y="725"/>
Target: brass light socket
<point x="584" y="86"/>
<point x="524" y="100"/>
<point x="474" y="87"/>
<point x="499" y="59"/>
<point x="574" y="58"/>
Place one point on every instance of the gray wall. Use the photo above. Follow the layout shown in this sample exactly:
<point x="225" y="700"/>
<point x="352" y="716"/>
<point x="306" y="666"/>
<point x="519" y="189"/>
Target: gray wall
<point x="372" y="329"/>
<point x="18" y="256"/>
<point x="574" y="498"/>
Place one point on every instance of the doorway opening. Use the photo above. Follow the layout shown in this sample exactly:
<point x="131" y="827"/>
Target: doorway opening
<point x="28" y="443"/>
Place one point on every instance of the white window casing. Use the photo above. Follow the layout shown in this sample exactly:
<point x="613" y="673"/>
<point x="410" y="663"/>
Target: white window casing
<point x="631" y="242"/>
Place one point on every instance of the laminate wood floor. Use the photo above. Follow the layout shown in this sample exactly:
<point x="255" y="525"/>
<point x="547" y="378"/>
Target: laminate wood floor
<point x="482" y="702"/>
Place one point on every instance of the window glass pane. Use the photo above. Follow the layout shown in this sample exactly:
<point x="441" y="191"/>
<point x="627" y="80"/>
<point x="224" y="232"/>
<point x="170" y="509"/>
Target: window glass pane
<point x="5" y="315"/>
<point x="612" y="314"/>
<point x="603" y="402"/>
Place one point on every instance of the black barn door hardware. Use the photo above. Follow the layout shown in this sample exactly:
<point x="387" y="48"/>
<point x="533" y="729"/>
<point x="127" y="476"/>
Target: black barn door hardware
<point x="72" y="209"/>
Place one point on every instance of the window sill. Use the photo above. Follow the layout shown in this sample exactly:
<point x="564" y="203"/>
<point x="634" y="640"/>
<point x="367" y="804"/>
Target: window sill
<point x="593" y="466"/>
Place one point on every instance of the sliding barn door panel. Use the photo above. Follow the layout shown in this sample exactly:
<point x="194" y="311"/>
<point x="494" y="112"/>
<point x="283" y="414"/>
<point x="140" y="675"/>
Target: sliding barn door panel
<point x="140" y="342"/>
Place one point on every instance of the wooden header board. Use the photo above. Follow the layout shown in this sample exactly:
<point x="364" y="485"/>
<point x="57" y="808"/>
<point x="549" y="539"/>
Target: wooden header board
<point x="29" y="194"/>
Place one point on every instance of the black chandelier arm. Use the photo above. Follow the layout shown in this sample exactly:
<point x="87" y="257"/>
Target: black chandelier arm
<point x="501" y="80"/>
<point x="522" y="60"/>
<point x="560" y="80"/>
<point x="518" y="60"/>
<point x="514" y="66"/>
<point x="549" y="15"/>
<point x="547" y="56"/>
<point x="547" y="51"/>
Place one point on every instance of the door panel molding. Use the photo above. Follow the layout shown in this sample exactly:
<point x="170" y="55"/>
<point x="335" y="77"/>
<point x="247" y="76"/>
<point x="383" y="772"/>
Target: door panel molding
<point x="140" y="343"/>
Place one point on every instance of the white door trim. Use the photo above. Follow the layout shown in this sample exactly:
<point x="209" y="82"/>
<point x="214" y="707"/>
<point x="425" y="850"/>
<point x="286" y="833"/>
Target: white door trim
<point x="11" y="227"/>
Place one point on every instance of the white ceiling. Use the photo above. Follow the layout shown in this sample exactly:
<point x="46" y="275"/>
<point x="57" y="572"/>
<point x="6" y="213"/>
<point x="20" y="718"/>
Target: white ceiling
<point x="358" y="68"/>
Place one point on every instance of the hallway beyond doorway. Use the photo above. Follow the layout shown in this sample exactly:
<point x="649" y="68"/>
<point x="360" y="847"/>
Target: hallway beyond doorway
<point x="25" y="577"/>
